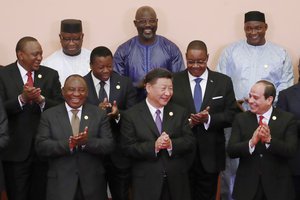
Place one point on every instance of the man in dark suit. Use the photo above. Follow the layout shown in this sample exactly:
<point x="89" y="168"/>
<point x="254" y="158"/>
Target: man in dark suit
<point x="74" y="150"/>
<point x="157" y="137"/>
<point x="4" y="137"/>
<point x="264" y="138"/>
<point x="119" y="96"/>
<point x="288" y="100"/>
<point x="27" y="89"/>
<point x="207" y="120"/>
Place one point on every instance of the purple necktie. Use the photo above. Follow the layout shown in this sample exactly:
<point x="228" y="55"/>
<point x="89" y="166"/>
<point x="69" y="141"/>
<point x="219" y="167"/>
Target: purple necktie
<point x="158" y="121"/>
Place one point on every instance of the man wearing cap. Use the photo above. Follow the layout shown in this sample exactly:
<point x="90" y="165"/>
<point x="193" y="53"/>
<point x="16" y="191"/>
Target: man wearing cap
<point x="146" y="51"/>
<point x="72" y="58"/>
<point x="246" y="62"/>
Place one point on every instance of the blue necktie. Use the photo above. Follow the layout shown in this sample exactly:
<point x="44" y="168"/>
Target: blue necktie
<point x="198" y="94"/>
<point x="158" y="121"/>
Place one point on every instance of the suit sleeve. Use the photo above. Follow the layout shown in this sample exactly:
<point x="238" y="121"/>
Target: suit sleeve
<point x="132" y="146"/>
<point x="102" y="141"/>
<point x="223" y="118"/>
<point x="3" y="127"/>
<point x="45" y="144"/>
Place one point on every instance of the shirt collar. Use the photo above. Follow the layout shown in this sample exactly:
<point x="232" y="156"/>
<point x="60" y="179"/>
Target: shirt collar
<point x="96" y="80"/>
<point x="69" y="108"/>
<point x="204" y="76"/>
<point x="267" y="115"/>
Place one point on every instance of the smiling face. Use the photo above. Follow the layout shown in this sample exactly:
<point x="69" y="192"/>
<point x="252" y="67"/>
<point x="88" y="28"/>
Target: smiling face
<point x="255" y="32"/>
<point x="196" y="61"/>
<point x="258" y="103"/>
<point x="159" y="92"/>
<point x="102" y="67"/>
<point x="31" y="55"/>
<point x="75" y="91"/>
<point x="146" y="24"/>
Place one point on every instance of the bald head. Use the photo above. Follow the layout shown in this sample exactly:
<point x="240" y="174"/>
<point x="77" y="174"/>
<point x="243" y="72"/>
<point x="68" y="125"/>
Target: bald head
<point x="145" y="9"/>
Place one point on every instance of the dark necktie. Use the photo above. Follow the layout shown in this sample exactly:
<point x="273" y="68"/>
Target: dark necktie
<point x="102" y="92"/>
<point x="29" y="79"/>
<point x="198" y="94"/>
<point x="158" y="121"/>
<point x="75" y="122"/>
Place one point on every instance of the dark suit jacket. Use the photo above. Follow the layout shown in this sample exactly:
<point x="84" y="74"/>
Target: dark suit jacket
<point x="121" y="91"/>
<point x="270" y="164"/>
<point x="219" y="96"/>
<point x="288" y="100"/>
<point x="3" y="139"/>
<point x="23" y="122"/>
<point x="65" y="168"/>
<point x="139" y="134"/>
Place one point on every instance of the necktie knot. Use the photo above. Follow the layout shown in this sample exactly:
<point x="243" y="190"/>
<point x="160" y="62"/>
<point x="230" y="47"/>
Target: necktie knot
<point x="29" y="73"/>
<point x="158" y="112"/>
<point x="74" y="112"/>
<point x="102" y="83"/>
<point x="198" y="80"/>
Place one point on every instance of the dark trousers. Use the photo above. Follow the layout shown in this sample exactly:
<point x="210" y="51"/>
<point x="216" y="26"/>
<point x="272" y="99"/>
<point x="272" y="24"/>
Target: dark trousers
<point x="260" y="194"/>
<point x="26" y="180"/>
<point x="296" y="181"/>
<point x="203" y="184"/>
<point x="118" y="180"/>
<point x="79" y="193"/>
<point x="165" y="193"/>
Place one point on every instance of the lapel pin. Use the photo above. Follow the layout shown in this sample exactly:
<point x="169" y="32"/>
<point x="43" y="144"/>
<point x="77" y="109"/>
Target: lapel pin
<point x="211" y="81"/>
<point x="274" y="117"/>
<point x="118" y="86"/>
<point x="171" y="114"/>
<point x="266" y="66"/>
<point x="40" y="76"/>
<point x="86" y="117"/>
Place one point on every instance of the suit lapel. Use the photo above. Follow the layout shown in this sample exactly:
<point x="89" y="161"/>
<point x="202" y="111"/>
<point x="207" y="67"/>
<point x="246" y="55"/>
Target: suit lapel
<point x="274" y="123"/>
<point x="16" y="75"/>
<point x="38" y="78"/>
<point x="85" y="119"/>
<point x="115" y="88"/>
<point x="63" y="119"/>
<point x="93" y="98"/>
<point x="209" y="90"/>
<point x="148" y="119"/>
<point x="187" y="92"/>
<point x="167" y="124"/>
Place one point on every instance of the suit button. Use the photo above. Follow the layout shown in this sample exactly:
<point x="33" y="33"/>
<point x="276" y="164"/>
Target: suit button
<point x="261" y="155"/>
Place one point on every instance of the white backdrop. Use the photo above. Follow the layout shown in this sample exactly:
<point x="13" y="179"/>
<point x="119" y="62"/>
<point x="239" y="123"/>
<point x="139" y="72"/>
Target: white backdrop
<point x="110" y="22"/>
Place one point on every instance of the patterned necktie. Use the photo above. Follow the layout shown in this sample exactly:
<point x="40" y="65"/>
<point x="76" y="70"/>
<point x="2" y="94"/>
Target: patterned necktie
<point x="75" y="122"/>
<point x="261" y="120"/>
<point x="158" y="121"/>
<point x="198" y="94"/>
<point x="29" y="79"/>
<point x="102" y="92"/>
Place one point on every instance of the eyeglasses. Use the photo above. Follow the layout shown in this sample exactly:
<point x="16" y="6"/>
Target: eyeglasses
<point x="196" y="62"/>
<point x="65" y="39"/>
<point x="143" y="22"/>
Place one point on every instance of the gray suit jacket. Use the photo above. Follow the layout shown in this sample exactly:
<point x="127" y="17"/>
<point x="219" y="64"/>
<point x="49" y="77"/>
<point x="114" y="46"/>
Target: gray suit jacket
<point x="270" y="165"/>
<point x="219" y="96"/>
<point x="139" y="134"/>
<point x="66" y="168"/>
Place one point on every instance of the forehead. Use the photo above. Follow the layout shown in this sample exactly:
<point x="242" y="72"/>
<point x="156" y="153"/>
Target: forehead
<point x="145" y="14"/>
<point x="196" y="54"/>
<point x="258" y="89"/>
<point x="103" y="59"/>
<point x="75" y="82"/>
<point x="163" y="82"/>
<point x="32" y="46"/>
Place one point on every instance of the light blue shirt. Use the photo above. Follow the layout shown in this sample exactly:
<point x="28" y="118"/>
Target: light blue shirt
<point x="246" y="64"/>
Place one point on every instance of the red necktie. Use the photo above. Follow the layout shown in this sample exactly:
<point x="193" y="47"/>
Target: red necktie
<point x="29" y="79"/>
<point x="261" y="120"/>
